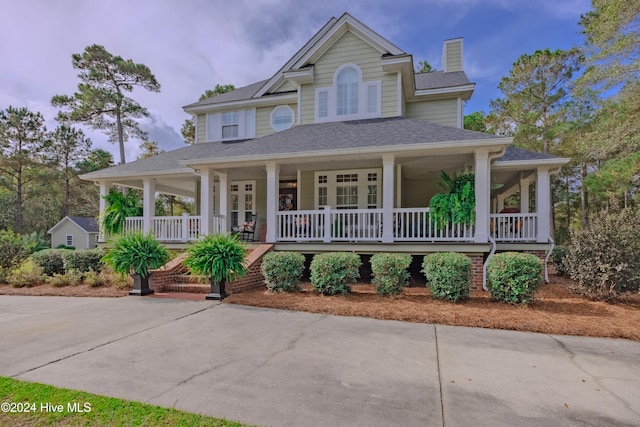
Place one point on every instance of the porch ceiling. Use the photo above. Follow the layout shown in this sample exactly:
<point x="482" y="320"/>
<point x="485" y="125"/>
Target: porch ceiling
<point x="182" y="186"/>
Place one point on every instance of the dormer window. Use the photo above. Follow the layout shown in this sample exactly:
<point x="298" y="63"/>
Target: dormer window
<point x="349" y="98"/>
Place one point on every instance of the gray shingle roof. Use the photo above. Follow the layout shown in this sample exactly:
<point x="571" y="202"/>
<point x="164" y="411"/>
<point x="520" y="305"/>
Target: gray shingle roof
<point x="516" y="154"/>
<point x="434" y="80"/>
<point x="386" y="132"/>
<point x="371" y="133"/>
<point x="90" y="225"/>
<point x="440" y="79"/>
<point x="239" y="94"/>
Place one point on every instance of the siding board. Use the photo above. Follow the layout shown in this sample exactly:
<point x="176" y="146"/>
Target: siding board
<point x="444" y="112"/>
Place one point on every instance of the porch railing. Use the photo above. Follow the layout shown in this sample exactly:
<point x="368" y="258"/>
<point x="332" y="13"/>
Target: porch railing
<point x="514" y="227"/>
<point x="416" y="224"/>
<point x="355" y="225"/>
<point x="182" y="228"/>
<point x="330" y="225"/>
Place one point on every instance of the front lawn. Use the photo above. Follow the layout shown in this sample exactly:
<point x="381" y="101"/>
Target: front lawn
<point x="43" y="405"/>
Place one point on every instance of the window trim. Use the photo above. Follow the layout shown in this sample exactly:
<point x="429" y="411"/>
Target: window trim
<point x="362" y="183"/>
<point x="273" y="114"/>
<point x="68" y="238"/>
<point x="246" y="130"/>
<point x="363" y="98"/>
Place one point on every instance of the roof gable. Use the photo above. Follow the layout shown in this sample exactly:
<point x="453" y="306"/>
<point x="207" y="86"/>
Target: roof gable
<point x="322" y="42"/>
<point x="86" y="224"/>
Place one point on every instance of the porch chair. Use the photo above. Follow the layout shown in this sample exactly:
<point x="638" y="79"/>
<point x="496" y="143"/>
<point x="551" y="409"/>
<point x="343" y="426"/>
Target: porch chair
<point x="247" y="230"/>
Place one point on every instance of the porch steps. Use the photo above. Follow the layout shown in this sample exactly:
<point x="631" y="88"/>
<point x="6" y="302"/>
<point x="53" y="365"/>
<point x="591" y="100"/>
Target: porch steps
<point x="173" y="278"/>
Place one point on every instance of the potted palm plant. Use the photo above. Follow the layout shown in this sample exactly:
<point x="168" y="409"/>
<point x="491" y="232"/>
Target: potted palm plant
<point x="136" y="254"/>
<point x="220" y="257"/>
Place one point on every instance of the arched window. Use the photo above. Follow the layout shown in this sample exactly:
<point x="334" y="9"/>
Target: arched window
<point x="349" y="97"/>
<point x="348" y="81"/>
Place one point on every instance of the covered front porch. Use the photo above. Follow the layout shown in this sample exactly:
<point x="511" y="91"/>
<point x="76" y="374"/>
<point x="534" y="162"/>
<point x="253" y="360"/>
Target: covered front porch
<point x="380" y="198"/>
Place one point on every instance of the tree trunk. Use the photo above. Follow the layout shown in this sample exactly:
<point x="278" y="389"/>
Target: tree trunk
<point x="120" y="135"/>
<point x="584" y="198"/>
<point x="19" y="210"/>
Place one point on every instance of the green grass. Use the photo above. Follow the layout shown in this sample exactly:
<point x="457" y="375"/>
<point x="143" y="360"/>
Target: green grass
<point x="104" y="411"/>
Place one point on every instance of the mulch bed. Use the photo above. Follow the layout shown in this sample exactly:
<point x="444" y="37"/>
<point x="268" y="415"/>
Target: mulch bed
<point x="555" y="310"/>
<point x="46" y="289"/>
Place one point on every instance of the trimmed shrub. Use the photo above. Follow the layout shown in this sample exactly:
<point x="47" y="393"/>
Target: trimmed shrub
<point x="390" y="273"/>
<point x="448" y="275"/>
<point x="93" y="279"/>
<point x="513" y="277"/>
<point x="84" y="260"/>
<point x="26" y="279"/>
<point x="282" y="271"/>
<point x="50" y="260"/>
<point x="605" y="258"/>
<point x="70" y="278"/>
<point x="13" y="252"/>
<point x="333" y="272"/>
<point x="557" y="258"/>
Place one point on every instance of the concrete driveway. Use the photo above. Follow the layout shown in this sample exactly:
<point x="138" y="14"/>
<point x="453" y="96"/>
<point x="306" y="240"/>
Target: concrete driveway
<point x="282" y="368"/>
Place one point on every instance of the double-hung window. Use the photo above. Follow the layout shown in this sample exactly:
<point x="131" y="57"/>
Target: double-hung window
<point x="230" y="125"/>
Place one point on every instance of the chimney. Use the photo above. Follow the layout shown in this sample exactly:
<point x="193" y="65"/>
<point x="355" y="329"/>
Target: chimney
<point x="452" y="55"/>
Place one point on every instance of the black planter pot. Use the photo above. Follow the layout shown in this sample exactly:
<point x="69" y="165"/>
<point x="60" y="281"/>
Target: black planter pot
<point x="217" y="290"/>
<point x="140" y="285"/>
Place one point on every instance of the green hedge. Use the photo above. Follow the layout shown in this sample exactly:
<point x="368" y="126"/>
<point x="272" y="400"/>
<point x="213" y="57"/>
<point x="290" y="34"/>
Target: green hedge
<point x="282" y="271"/>
<point x="333" y="272"/>
<point x="513" y="277"/>
<point x="84" y="260"/>
<point x="604" y="258"/>
<point x="390" y="273"/>
<point x="13" y="252"/>
<point x="448" y="275"/>
<point x="50" y="260"/>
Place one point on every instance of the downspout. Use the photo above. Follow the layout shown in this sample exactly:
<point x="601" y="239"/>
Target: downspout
<point x="552" y="244"/>
<point x="491" y="239"/>
<point x="494" y="246"/>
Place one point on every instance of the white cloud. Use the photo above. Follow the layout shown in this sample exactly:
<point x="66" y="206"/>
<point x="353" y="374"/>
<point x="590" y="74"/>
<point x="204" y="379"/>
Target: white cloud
<point x="193" y="45"/>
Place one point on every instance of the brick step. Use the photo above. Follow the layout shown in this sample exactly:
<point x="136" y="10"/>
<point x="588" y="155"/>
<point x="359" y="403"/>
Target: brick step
<point x="195" y="288"/>
<point x="187" y="279"/>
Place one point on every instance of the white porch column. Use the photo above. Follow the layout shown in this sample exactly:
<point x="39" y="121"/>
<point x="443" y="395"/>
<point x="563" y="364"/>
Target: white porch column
<point x="524" y="195"/>
<point x="148" y="202"/>
<point x="482" y="171"/>
<point x="225" y="200"/>
<point x="206" y="200"/>
<point x="273" y="180"/>
<point x="388" y="183"/>
<point x="543" y="204"/>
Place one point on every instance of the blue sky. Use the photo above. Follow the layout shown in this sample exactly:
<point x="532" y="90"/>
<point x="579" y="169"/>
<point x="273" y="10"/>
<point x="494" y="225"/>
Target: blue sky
<point x="191" y="45"/>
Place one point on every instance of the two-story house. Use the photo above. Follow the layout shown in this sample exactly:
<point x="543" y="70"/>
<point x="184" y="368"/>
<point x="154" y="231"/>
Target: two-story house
<point x="342" y="149"/>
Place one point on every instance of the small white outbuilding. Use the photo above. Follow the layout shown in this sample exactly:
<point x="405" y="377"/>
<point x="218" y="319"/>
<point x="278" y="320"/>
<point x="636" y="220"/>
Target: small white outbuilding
<point x="77" y="231"/>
